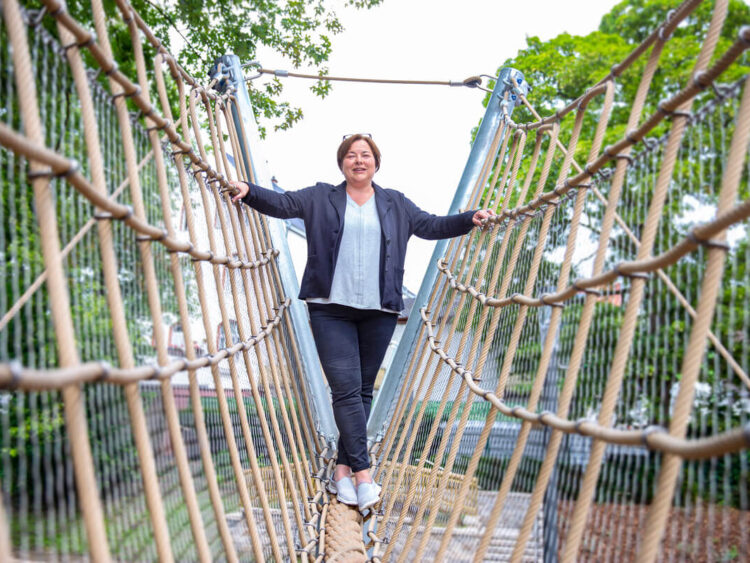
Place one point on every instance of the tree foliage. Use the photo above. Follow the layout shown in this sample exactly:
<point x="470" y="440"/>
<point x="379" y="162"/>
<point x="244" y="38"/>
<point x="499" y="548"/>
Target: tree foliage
<point x="196" y="32"/>
<point x="561" y="69"/>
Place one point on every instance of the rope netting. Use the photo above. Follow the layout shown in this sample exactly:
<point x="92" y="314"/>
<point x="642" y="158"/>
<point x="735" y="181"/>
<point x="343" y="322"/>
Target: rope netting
<point x="153" y="404"/>
<point x="579" y="388"/>
<point x="581" y="370"/>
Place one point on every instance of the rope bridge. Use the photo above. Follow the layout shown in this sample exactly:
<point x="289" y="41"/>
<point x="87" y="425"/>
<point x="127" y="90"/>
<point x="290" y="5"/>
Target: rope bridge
<point x="572" y="383"/>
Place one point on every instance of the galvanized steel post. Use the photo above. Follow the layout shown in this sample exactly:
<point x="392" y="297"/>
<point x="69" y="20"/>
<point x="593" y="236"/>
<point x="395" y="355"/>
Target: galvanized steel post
<point x="232" y="78"/>
<point x="493" y="118"/>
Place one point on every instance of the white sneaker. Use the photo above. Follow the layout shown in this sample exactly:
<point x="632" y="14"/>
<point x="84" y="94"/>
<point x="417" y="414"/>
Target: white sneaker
<point x="344" y="490"/>
<point x="368" y="494"/>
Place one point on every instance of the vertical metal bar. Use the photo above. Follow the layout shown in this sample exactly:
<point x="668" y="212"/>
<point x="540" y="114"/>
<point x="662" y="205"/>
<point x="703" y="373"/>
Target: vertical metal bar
<point x="493" y="118"/>
<point x="242" y="112"/>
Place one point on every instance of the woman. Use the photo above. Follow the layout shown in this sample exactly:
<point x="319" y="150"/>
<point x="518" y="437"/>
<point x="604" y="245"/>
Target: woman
<point x="356" y="246"/>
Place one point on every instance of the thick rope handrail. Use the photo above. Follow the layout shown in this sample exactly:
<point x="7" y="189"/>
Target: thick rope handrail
<point x="721" y="94"/>
<point x="131" y="90"/>
<point x="699" y="236"/>
<point x="61" y="166"/>
<point x="616" y="373"/>
<point x="655" y="438"/>
<point x="555" y="195"/>
<point x="41" y="278"/>
<point x="14" y="376"/>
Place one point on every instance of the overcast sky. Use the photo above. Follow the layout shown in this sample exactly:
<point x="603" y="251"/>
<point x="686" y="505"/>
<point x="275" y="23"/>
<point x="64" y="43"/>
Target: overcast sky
<point x="423" y="132"/>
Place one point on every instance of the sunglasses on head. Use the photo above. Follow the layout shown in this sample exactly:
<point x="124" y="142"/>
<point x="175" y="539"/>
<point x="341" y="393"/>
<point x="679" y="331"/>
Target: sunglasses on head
<point x="353" y="134"/>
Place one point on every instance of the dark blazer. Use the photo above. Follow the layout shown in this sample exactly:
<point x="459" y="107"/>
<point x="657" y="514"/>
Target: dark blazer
<point x="322" y="207"/>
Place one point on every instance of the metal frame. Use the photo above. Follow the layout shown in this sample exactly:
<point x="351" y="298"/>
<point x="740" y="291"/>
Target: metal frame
<point x="493" y="118"/>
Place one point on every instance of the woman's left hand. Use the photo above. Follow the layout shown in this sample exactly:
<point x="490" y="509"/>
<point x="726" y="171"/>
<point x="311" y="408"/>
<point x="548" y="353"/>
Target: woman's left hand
<point x="481" y="216"/>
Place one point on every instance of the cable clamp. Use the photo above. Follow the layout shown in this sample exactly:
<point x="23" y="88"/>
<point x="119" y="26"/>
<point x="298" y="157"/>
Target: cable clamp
<point x="157" y="238"/>
<point x="156" y="372"/>
<point x="577" y="425"/>
<point x="585" y="289"/>
<point x="673" y="113"/>
<point x="15" y="374"/>
<point x="542" y="415"/>
<point x="161" y="127"/>
<point x="670" y="15"/>
<point x="111" y="69"/>
<point x="209" y="259"/>
<point x="651" y="430"/>
<point x="708" y="243"/>
<point x="189" y="249"/>
<point x="744" y="35"/>
<point x="49" y="173"/>
<point x="135" y="91"/>
<point x="610" y="154"/>
<point x="630" y="137"/>
<point x="546" y="296"/>
<point x="87" y="43"/>
<point x="639" y="275"/>
<point x="60" y="10"/>
<point x="663" y="36"/>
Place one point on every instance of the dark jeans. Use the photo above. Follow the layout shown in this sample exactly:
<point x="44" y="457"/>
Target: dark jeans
<point x="351" y="344"/>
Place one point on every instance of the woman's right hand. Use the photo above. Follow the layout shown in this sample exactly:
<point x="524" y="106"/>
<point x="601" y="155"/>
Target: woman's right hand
<point x="241" y="189"/>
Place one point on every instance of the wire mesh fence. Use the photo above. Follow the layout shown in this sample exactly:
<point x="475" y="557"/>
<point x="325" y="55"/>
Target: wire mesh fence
<point x="560" y="373"/>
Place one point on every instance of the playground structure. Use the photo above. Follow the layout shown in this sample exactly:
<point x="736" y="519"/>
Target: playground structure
<point x="572" y="382"/>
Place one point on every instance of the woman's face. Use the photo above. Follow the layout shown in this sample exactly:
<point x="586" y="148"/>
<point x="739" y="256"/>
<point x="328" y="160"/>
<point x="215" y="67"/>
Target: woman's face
<point x="358" y="165"/>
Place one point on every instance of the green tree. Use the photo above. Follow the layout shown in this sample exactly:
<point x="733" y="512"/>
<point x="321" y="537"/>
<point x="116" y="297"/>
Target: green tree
<point x="196" y="32"/>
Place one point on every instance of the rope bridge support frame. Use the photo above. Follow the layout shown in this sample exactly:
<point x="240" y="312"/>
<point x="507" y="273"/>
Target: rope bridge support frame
<point x="485" y="147"/>
<point x="493" y="119"/>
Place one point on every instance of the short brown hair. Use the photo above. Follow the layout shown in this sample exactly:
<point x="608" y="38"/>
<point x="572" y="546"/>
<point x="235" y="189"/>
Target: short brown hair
<point x="347" y="143"/>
